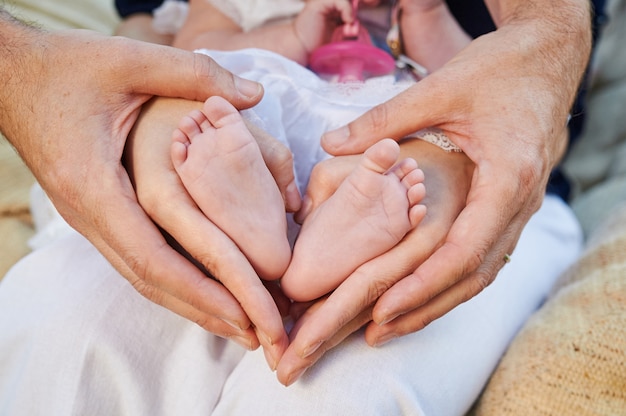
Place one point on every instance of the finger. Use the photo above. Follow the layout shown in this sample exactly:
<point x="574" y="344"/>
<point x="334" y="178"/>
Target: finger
<point x="177" y="73"/>
<point x="292" y="366"/>
<point x="422" y="101"/>
<point x="455" y="259"/>
<point x="147" y="254"/>
<point x="462" y="291"/>
<point x="282" y="302"/>
<point x="172" y="208"/>
<point x="223" y="259"/>
<point x="356" y="294"/>
<point x="279" y="161"/>
<point x="220" y="326"/>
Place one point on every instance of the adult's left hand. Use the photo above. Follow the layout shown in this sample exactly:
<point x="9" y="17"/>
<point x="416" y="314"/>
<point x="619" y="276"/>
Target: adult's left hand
<point x="327" y="322"/>
<point x="506" y="105"/>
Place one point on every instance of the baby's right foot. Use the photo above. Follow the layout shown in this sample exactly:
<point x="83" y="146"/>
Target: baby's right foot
<point x="371" y="211"/>
<point x="222" y="168"/>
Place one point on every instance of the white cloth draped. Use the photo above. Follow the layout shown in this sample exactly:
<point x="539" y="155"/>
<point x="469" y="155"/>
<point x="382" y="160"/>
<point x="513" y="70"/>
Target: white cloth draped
<point x="75" y="338"/>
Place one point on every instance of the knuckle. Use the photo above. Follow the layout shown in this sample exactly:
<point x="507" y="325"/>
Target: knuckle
<point x="376" y="289"/>
<point x="378" y="118"/>
<point x="479" y="282"/>
<point x="204" y="67"/>
<point x="473" y="259"/>
<point x="422" y="321"/>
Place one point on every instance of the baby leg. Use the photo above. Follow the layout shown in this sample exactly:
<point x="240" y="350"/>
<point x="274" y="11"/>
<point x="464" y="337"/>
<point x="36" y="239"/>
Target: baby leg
<point x="221" y="166"/>
<point x="431" y="35"/>
<point x="371" y="211"/>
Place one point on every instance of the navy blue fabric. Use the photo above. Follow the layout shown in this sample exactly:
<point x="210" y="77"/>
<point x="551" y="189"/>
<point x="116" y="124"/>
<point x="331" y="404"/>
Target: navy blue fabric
<point x="127" y="7"/>
<point x="475" y="20"/>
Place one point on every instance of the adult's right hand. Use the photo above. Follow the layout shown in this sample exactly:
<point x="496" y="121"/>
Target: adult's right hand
<point x="67" y="104"/>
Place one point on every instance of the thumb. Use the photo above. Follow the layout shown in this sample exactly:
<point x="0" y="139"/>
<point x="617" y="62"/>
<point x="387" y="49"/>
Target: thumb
<point x="412" y="110"/>
<point x="177" y="73"/>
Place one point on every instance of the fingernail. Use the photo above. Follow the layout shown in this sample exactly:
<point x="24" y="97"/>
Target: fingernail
<point x="270" y="358"/>
<point x="387" y="320"/>
<point x="232" y="324"/>
<point x="295" y="376"/>
<point x="337" y="137"/>
<point x="244" y="342"/>
<point x="248" y="88"/>
<point x="384" y="339"/>
<point x="294" y="202"/>
<point x="311" y="349"/>
<point x="267" y="340"/>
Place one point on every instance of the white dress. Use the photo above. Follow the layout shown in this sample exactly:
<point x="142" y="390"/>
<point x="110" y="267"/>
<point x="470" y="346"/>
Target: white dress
<point x="76" y="339"/>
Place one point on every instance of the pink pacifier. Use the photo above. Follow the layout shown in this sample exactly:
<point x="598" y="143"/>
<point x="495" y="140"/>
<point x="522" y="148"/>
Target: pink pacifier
<point x="351" y="55"/>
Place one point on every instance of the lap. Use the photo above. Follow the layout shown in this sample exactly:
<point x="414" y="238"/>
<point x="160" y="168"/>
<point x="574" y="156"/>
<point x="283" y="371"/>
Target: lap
<point x="78" y="337"/>
<point x="440" y="370"/>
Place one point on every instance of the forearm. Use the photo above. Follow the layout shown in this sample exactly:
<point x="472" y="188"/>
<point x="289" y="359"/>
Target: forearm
<point x="278" y="38"/>
<point x="18" y="42"/>
<point x="556" y="34"/>
<point x="209" y="28"/>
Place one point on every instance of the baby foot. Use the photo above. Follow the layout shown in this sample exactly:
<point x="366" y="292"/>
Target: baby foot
<point x="221" y="166"/>
<point x="371" y="211"/>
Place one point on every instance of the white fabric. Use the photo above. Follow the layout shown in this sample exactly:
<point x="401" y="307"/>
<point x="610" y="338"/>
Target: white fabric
<point x="299" y="106"/>
<point x="170" y="16"/>
<point x="255" y="13"/>
<point x="75" y="338"/>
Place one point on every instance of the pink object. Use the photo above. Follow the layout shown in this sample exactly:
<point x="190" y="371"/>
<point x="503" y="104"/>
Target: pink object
<point x="351" y="55"/>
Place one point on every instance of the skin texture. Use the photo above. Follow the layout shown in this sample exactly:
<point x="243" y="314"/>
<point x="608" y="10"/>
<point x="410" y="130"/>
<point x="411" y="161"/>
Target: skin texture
<point x="369" y="213"/>
<point x="527" y="72"/>
<point x="295" y="39"/>
<point x="163" y="196"/>
<point x="504" y="73"/>
<point x="94" y="87"/>
<point x="507" y="73"/>
<point x="223" y="170"/>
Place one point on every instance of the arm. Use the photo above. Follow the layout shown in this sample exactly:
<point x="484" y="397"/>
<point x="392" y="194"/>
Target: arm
<point x="68" y="102"/>
<point x="504" y="100"/>
<point x="431" y="36"/>
<point x="207" y="27"/>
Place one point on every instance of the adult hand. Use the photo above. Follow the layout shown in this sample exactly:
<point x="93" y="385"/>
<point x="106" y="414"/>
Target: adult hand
<point x="329" y="321"/>
<point x="164" y="198"/>
<point x="68" y="102"/>
<point x="499" y="102"/>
